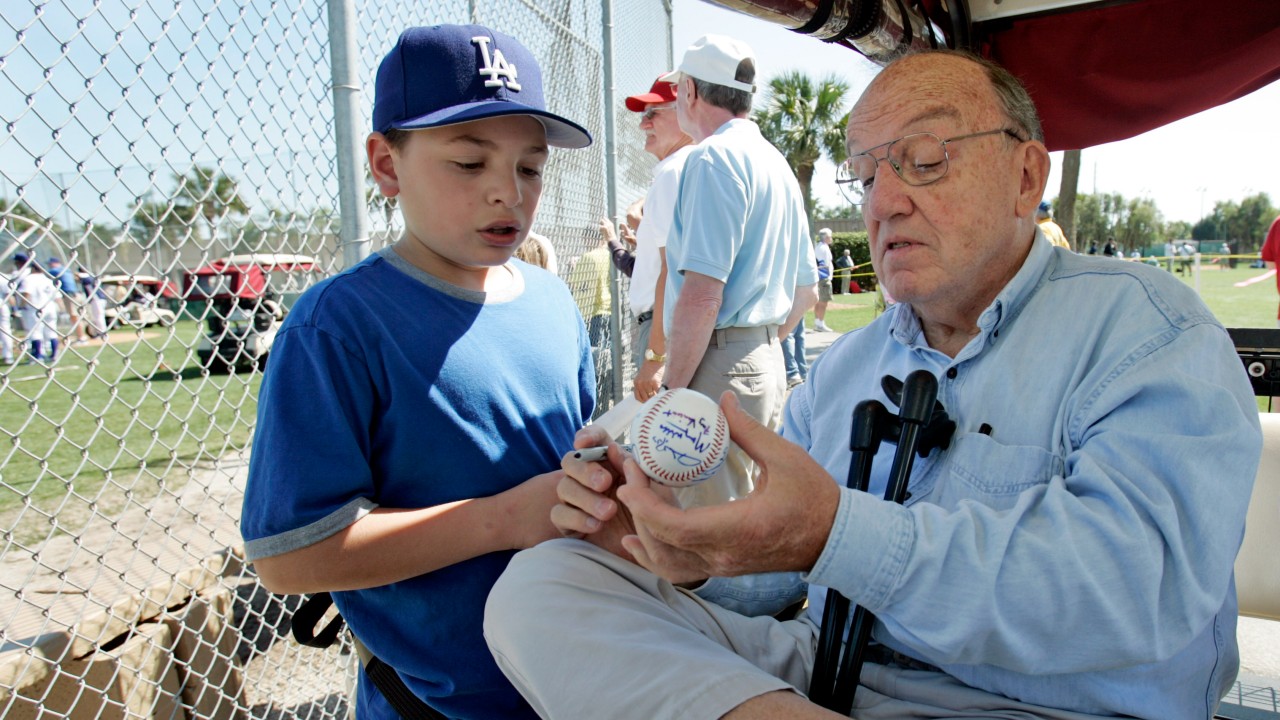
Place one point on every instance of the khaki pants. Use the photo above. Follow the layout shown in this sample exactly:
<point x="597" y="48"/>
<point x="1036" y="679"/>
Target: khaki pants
<point x="748" y="361"/>
<point x="582" y="633"/>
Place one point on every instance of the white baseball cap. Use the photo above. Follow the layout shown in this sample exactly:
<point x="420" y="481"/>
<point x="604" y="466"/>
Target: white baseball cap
<point x="715" y="59"/>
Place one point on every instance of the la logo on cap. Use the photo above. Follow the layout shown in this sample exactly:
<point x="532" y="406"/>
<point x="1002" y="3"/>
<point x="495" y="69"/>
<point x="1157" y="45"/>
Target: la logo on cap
<point x="500" y="72"/>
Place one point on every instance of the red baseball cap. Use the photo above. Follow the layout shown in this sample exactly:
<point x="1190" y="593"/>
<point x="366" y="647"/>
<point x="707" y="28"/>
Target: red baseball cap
<point x="661" y="92"/>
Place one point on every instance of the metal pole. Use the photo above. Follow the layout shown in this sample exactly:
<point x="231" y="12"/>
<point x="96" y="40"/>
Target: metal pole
<point x="344" y="67"/>
<point x="611" y="191"/>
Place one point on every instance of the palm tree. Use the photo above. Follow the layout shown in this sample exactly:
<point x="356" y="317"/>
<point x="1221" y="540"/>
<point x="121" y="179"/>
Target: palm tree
<point x="805" y="121"/>
<point x="206" y="194"/>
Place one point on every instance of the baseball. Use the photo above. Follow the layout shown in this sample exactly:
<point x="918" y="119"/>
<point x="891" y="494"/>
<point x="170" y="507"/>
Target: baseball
<point x="680" y="437"/>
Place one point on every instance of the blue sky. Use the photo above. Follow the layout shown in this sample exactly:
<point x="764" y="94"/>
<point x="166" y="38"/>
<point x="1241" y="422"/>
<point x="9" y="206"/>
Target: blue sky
<point x="1222" y="154"/>
<point x="1225" y="153"/>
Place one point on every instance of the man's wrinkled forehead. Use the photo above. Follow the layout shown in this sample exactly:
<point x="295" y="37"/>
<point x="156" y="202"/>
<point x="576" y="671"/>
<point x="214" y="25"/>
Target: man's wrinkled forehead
<point x="907" y="95"/>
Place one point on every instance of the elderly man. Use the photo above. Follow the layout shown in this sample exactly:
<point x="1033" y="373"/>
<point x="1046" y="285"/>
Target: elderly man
<point x="741" y="267"/>
<point x="1067" y="556"/>
<point x="825" y="263"/>
<point x="664" y="140"/>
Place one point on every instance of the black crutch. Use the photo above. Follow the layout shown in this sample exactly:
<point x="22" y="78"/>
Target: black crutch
<point x="920" y="425"/>
<point x="870" y="418"/>
<point x="919" y="393"/>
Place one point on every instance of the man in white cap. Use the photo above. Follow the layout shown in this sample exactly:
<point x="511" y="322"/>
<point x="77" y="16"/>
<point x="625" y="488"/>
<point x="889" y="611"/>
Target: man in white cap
<point x="741" y="268"/>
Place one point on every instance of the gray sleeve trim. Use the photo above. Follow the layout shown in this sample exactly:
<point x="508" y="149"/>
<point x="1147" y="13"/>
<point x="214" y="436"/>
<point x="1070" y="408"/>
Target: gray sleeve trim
<point x="298" y="538"/>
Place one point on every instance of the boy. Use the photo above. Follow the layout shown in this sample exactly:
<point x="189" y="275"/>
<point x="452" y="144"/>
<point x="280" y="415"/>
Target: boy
<point x="410" y="422"/>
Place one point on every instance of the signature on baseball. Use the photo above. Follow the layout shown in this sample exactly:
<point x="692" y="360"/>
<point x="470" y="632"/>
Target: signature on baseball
<point x="684" y="436"/>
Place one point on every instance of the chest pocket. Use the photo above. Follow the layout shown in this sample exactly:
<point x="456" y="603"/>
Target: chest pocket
<point x="978" y="468"/>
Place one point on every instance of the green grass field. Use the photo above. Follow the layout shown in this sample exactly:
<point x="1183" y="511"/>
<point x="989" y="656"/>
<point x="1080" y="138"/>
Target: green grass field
<point x="114" y="422"/>
<point x="1252" y="306"/>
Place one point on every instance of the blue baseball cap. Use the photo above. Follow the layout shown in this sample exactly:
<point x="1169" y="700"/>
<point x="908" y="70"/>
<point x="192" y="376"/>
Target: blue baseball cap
<point x="1045" y="206"/>
<point x="449" y="74"/>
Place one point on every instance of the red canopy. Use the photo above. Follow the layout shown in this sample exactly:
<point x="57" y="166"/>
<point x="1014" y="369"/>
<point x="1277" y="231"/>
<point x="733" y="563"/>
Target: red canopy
<point x="1107" y="72"/>
<point x="1101" y="71"/>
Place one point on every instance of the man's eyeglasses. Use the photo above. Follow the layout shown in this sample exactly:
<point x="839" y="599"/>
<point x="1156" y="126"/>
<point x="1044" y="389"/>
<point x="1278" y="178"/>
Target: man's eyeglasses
<point x="918" y="158"/>
<point x="652" y="110"/>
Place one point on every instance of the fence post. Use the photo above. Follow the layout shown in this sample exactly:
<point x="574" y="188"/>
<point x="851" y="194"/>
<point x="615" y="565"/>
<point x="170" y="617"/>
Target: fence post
<point x="611" y="192"/>
<point x="344" y="68"/>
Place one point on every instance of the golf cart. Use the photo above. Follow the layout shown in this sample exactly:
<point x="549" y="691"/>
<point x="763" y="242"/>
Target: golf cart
<point x="138" y="300"/>
<point x="245" y="296"/>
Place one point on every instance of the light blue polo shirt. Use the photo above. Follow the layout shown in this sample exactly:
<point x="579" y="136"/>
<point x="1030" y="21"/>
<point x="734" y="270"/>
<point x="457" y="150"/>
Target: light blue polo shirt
<point x="740" y="219"/>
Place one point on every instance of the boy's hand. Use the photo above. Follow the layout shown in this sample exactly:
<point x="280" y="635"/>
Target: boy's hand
<point x="530" y="505"/>
<point x="588" y="507"/>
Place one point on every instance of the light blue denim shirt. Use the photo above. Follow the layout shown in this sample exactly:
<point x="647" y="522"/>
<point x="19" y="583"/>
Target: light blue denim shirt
<point x="1080" y="555"/>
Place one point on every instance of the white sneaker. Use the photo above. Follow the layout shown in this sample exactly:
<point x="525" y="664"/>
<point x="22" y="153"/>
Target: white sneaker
<point x="821" y="326"/>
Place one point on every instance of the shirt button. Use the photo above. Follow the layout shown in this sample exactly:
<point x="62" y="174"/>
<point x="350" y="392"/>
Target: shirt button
<point x="951" y="373"/>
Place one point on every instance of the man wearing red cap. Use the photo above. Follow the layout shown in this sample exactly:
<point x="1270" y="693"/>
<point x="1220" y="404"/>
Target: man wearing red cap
<point x="663" y="139"/>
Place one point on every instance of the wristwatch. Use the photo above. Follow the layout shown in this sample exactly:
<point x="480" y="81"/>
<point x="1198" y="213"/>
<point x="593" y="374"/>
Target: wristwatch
<point x="649" y="354"/>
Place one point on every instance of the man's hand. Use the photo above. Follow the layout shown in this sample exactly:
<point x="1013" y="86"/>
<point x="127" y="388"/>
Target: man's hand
<point x="781" y="526"/>
<point x="606" y="229"/>
<point x="648" y="380"/>
<point x="588" y="507"/>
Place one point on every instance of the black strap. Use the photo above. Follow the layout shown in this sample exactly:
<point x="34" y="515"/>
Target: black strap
<point x="308" y="615"/>
<point x="406" y="704"/>
<point x="384" y="677"/>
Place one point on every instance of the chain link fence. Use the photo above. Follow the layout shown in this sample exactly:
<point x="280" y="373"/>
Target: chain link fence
<point x="180" y="161"/>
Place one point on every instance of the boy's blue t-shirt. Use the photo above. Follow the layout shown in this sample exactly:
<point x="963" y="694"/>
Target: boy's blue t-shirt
<point x="387" y="387"/>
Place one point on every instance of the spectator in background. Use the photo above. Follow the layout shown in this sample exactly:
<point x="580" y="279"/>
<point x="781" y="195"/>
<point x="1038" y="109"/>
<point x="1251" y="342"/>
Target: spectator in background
<point x="825" y="266"/>
<point x="40" y="305"/>
<point x="844" y="272"/>
<point x="670" y="144"/>
<point x="95" y="305"/>
<point x="589" y="282"/>
<point x="1109" y="249"/>
<point x="740" y="262"/>
<point x="590" y="286"/>
<point x="538" y="250"/>
<point x="70" y="298"/>
<point x="793" y="356"/>
<point x="1271" y="255"/>
<point x="7" y="292"/>
<point x="1051" y="229"/>
<point x="1185" y="252"/>
<point x="622" y="243"/>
